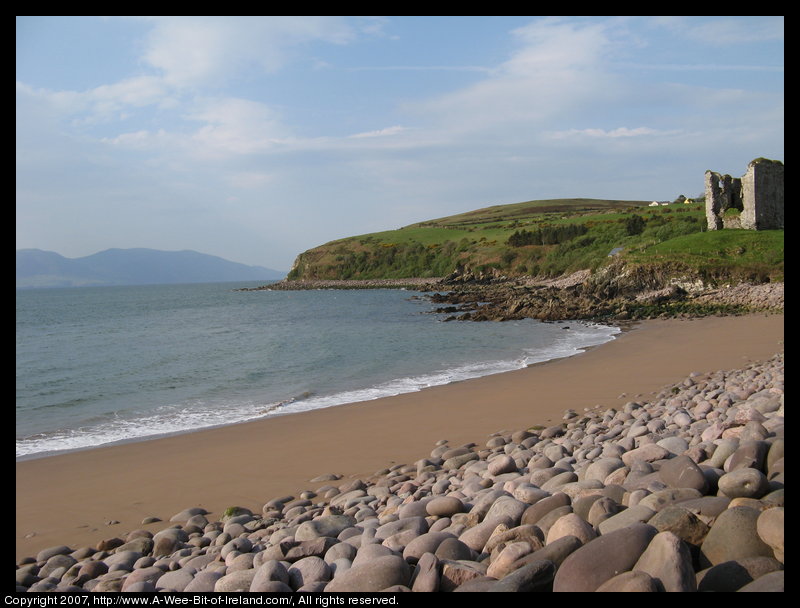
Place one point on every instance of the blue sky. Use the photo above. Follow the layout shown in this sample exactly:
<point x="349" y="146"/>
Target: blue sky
<point x="256" y="138"/>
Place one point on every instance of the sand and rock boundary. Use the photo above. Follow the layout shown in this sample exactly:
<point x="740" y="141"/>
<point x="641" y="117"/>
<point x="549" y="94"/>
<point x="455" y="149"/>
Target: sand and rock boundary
<point x="679" y="492"/>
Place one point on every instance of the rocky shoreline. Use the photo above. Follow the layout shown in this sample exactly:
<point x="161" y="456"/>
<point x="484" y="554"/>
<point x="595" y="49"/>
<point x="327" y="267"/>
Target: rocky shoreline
<point x="680" y="491"/>
<point x="423" y="284"/>
<point x="611" y="295"/>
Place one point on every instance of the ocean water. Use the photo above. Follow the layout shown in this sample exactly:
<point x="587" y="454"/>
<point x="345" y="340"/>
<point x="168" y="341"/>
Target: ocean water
<point x="109" y="364"/>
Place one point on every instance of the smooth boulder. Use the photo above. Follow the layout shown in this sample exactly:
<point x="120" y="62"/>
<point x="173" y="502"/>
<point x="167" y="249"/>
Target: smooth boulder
<point x="603" y="558"/>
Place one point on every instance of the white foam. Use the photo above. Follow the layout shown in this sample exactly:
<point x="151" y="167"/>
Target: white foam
<point x="197" y="415"/>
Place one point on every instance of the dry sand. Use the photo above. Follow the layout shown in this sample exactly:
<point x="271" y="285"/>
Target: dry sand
<point x="68" y="499"/>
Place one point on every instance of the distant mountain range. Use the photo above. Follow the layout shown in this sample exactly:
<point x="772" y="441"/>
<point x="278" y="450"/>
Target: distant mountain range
<point x="37" y="268"/>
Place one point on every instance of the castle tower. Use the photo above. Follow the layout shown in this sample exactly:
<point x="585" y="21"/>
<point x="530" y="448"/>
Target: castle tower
<point x="762" y="187"/>
<point x="758" y="195"/>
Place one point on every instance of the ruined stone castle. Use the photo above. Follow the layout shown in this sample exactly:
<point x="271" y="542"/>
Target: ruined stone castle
<point x="753" y="201"/>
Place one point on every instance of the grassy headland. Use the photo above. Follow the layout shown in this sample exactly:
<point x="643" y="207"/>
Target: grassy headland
<point x="552" y="238"/>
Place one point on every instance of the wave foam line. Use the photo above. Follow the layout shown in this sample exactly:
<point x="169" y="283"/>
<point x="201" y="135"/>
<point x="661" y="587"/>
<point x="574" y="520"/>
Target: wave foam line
<point x="174" y="420"/>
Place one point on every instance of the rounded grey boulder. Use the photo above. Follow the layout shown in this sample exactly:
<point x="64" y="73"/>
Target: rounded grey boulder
<point x="683" y="472"/>
<point x="330" y="525"/>
<point x="375" y="575"/>
<point x="733" y="536"/>
<point x="744" y="482"/>
<point x="603" y="558"/>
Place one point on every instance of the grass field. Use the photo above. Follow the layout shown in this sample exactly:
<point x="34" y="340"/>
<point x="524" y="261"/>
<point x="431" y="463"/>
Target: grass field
<point x="672" y="235"/>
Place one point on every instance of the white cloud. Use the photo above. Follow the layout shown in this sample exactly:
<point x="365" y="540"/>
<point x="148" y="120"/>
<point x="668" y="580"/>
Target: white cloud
<point x="52" y="103"/>
<point x="612" y="133"/>
<point x="552" y="45"/>
<point x="188" y="56"/>
<point x="380" y="132"/>
<point x="373" y="25"/>
<point x="202" y="51"/>
<point x="235" y="126"/>
<point x="421" y="68"/>
<point x="142" y="140"/>
<point x="137" y="91"/>
<point x="112" y="102"/>
<point x="558" y="67"/>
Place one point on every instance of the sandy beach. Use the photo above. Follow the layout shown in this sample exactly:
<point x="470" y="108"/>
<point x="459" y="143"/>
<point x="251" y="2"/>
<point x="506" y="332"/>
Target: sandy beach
<point x="69" y="499"/>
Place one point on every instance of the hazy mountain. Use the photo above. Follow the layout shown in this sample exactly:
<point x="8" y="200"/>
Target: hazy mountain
<point x="37" y="268"/>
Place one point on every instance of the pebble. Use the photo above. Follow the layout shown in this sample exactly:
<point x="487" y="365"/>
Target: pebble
<point x="681" y="490"/>
<point x="502" y="464"/>
<point x="478" y="535"/>
<point x="203" y="582"/>
<point x="46" y="554"/>
<point x="326" y="526"/>
<point x="682" y="472"/>
<point x="571" y="525"/>
<point x="503" y="564"/>
<point x="772" y="582"/>
<point x="734" y="574"/>
<point x="668" y="561"/>
<point x="456" y="573"/>
<point x="683" y="523"/>
<point x="188" y="513"/>
<point x="239" y="580"/>
<point x="733" y="536"/>
<point x="635" y="581"/>
<point x="626" y="518"/>
<point x="603" y="558"/>
<point x="770" y="530"/>
<point x="454" y="549"/>
<point x="308" y="570"/>
<point x="536" y="512"/>
<point x="743" y="483"/>
<point x="444" y="506"/>
<point x="426" y="575"/>
<point x="372" y="576"/>
<point x="649" y="452"/>
<point x="534" y="576"/>
<point x="174" y="581"/>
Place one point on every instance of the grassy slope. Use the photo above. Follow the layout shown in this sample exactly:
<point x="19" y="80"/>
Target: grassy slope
<point x="532" y="210"/>
<point x="669" y="236"/>
<point x="742" y="253"/>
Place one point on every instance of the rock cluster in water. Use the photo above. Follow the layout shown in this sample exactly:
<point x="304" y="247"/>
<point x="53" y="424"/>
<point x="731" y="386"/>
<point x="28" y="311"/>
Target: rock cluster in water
<point x="683" y="492"/>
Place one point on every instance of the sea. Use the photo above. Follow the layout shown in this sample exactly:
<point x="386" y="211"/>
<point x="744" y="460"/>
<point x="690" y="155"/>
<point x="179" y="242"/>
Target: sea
<point x="102" y="365"/>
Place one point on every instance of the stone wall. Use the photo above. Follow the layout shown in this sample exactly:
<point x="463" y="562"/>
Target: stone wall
<point x="762" y="187"/>
<point x="757" y="197"/>
<point x="723" y="192"/>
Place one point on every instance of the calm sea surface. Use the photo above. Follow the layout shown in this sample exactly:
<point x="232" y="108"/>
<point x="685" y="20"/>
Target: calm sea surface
<point x="109" y="364"/>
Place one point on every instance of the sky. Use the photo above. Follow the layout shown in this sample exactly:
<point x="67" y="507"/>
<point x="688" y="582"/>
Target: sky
<point x="257" y="138"/>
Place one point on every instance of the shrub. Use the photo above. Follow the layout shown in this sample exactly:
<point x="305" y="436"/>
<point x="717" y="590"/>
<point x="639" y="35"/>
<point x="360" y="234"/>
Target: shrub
<point x="547" y="235"/>
<point x="634" y="225"/>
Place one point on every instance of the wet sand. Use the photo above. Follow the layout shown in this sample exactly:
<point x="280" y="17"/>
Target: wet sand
<point x="68" y="499"/>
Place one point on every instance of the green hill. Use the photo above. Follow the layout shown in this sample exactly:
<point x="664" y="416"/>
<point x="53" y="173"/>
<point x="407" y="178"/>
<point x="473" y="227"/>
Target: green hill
<point x="549" y="238"/>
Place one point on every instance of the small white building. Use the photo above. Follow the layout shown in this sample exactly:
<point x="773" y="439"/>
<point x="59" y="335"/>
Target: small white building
<point x="653" y="204"/>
